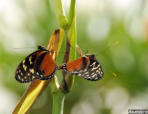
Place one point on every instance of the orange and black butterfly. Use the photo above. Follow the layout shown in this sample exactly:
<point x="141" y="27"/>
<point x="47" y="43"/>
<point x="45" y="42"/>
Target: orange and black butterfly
<point x="86" y="67"/>
<point x="37" y="65"/>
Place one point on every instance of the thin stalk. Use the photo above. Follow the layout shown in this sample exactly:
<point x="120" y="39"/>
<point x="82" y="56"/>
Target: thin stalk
<point x="71" y="42"/>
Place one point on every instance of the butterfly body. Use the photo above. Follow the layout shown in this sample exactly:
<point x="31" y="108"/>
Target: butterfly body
<point x="37" y="65"/>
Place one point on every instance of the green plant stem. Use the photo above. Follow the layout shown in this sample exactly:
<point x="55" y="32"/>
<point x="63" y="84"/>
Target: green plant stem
<point x="60" y="13"/>
<point x="58" y="103"/>
<point x="71" y="12"/>
<point x="70" y="32"/>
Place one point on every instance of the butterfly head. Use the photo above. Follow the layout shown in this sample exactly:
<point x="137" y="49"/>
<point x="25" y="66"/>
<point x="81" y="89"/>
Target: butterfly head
<point x="90" y="56"/>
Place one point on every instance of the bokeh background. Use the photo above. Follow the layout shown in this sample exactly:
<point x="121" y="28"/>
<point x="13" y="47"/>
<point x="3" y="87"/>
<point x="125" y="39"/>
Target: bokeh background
<point x="116" y="31"/>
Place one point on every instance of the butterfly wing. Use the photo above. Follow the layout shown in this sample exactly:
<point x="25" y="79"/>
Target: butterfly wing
<point x="38" y="65"/>
<point x="25" y="71"/>
<point x="45" y="66"/>
<point x="86" y="67"/>
<point x="93" y="72"/>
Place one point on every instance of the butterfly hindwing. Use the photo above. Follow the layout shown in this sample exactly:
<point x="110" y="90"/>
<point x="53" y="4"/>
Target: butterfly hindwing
<point x="93" y="72"/>
<point x="25" y="71"/>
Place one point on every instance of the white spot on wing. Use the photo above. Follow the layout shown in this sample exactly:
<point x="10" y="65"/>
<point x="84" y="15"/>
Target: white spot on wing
<point x="19" y="77"/>
<point x="24" y="67"/>
<point x="23" y="61"/>
<point x="32" y="71"/>
<point x="30" y="60"/>
<point x="28" y="74"/>
<point x="33" y="77"/>
<point x="21" y="73"/>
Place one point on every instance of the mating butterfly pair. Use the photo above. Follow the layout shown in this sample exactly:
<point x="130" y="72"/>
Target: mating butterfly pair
<point x="40" y="65"/>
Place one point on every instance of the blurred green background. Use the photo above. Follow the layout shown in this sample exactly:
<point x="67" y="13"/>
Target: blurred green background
<point x="116" y="31"/>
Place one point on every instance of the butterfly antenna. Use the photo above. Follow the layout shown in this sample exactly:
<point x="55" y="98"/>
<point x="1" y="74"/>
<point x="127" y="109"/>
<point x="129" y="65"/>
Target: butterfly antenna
<point x="86" y="52"/>
<point x="110" y="45"/>
<point x="22" y="47"/>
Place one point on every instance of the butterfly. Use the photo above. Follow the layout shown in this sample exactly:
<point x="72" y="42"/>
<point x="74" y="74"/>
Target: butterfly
<point x="37" y="65"/>
<point x="86" y="67"/>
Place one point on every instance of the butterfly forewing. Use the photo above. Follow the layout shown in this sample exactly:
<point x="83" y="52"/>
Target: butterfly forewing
<point x="25" y="71"/>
